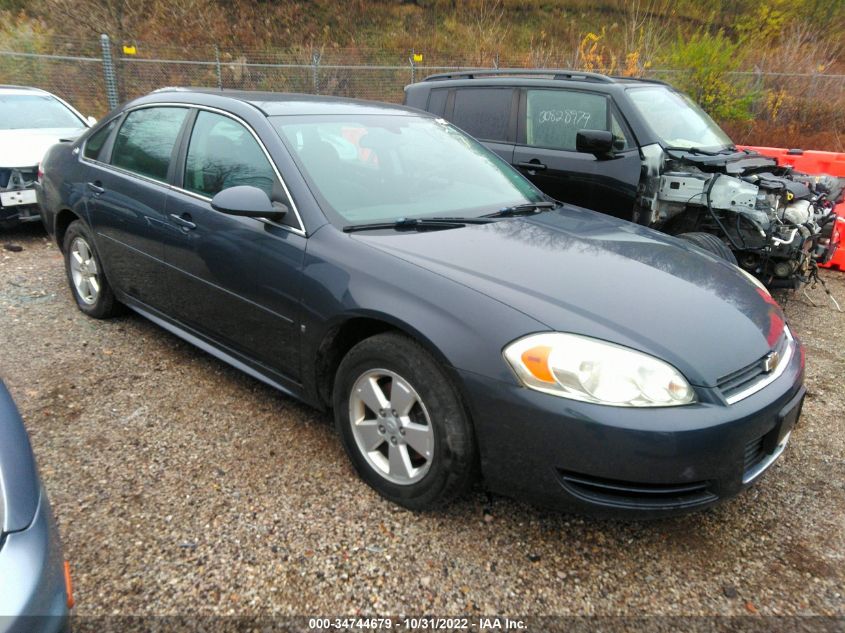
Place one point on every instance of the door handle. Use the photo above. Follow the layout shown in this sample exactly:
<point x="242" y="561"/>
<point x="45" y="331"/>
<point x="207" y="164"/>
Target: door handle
<point x="534" y="165"/>
<point x="95" y="187"/>
<point x="184" y="221"/>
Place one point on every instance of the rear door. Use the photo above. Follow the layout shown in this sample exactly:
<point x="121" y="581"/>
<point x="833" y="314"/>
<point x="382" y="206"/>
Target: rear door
<point x="127" y="186"/>
<point x="234" y="279"/>
<point x="487" y="113"/>
<point x="548" y="121"/>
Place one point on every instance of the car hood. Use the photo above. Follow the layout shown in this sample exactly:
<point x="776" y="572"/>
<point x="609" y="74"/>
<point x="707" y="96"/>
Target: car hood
<point x="26" y="148"/>
<point x="579" y="271"/>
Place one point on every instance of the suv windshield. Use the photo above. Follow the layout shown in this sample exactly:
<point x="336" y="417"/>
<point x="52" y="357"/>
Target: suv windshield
<point x="22" y="112"/>
<point x="377" y="168"/>
<point x="677" y="120"/>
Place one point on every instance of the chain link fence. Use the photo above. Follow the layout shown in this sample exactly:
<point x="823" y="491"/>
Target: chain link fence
<point x="96" y="75"/>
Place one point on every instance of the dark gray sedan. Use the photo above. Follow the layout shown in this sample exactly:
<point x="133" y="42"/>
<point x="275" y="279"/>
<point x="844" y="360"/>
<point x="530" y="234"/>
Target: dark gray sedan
<point x="34" y="578"/>
<point x="376" y="261"/>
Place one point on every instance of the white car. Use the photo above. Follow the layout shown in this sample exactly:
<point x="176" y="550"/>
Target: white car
<point x="31" y="120"/>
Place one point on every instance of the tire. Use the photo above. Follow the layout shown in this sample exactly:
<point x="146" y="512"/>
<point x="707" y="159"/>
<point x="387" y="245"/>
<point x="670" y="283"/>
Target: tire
<point x="433" y="416"/>
<point x="85" y="274"/>
<point x="711" y="244"/>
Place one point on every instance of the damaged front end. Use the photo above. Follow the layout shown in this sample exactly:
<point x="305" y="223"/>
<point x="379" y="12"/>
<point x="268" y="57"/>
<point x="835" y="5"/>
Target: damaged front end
<point x="776" y="221"/>
<point x="17" y="195"/>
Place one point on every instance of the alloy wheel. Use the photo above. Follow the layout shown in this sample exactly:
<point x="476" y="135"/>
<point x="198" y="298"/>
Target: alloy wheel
<point x="84" y="271"/>
<point x="391" y="426"/>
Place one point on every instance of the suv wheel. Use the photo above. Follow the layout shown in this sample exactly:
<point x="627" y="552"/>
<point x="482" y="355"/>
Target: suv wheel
<point x="85" y="274"/>
<point x="402" y="423"/>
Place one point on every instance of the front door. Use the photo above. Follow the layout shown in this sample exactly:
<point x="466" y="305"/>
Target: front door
<point x="549" y="120"/>
<point x="234" y="279"/>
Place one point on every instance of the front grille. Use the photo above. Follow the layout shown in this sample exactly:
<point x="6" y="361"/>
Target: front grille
<point x="754" y="453"/>
<point x="625" y="494"/>
<point x="738" y="381"/>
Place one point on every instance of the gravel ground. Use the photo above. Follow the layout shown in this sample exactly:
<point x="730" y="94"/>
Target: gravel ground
<point x="183" y="486"/>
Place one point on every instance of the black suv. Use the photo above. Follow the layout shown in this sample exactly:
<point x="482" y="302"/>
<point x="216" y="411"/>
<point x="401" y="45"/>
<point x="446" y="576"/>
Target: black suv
<point x="642" y="151"/>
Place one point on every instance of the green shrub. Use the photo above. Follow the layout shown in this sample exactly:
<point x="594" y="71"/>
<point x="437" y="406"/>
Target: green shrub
<point x="705" y="62"/>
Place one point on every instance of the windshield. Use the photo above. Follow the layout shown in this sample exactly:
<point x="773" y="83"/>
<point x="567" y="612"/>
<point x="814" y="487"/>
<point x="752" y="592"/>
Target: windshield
<point x="381" y="168"/>
<point x="35" y="111"/>
<point x="677" y="120"/>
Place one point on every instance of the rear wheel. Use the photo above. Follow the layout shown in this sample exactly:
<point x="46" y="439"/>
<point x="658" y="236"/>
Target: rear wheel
<point x="402" y="423"/>
<point x="711" y="244"/>
<point x="85" y="274"/>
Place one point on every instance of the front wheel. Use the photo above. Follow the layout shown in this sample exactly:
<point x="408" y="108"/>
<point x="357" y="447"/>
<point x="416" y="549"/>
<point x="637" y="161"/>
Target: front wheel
<point x="85" y="274"/>
<point x="402" y="423"/>
<point x="711" y="244"/>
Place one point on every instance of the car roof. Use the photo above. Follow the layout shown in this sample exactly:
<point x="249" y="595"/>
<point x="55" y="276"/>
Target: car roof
<point x="281" y="103"/>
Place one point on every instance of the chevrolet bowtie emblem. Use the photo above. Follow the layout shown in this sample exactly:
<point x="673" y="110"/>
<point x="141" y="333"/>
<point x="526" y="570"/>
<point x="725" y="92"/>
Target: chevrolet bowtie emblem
<point x="770" y="362"/>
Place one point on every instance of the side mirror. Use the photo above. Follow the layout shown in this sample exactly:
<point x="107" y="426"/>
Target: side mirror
<point x="91" y="121"/>
<point x="247" y="201"/>
<point x="596" y="142"/>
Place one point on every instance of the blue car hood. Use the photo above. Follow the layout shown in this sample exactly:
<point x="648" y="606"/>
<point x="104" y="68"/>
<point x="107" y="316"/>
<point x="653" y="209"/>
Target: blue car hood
<point x="578" y="271"/>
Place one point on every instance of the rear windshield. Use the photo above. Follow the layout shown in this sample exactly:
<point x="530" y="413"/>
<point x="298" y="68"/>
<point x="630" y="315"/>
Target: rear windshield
<point x="372" y="168"/>
<point x="21" y="112"/>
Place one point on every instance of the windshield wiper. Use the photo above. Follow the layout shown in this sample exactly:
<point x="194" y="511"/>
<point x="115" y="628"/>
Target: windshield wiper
<point x="416" y="224"/>
<point x="522" y="209"/>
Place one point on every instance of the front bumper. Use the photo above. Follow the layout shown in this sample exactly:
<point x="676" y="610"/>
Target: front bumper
<point x="634" y="462"/>
<point x="33" y="596"/>
<point x="17" y="196"/>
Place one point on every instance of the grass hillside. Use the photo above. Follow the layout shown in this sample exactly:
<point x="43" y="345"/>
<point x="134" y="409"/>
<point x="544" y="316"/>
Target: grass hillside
<point x="771" y="71"/>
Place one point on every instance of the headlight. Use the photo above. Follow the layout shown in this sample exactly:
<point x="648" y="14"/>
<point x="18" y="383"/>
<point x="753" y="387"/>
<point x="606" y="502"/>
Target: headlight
<point x="754" y="280"/>
<point x="583" y="368"/>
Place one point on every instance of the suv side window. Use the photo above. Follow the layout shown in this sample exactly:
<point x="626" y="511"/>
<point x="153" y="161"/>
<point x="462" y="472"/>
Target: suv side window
<point x="483" y="112"/>
<point x="222" y="154"/>
<point x="145" y="141"/>
<point x="437" y="101"/>
<point x="554" y="117"/>
<point x="94" y="145"/>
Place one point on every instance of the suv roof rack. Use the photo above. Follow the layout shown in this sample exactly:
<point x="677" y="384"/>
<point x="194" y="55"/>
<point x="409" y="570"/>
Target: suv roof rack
<point x="645" y="80"/>
<point x="555" y="73"/>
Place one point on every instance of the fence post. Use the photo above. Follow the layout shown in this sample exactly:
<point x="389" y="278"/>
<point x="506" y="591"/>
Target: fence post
<point x="413" y="67"/>
<point x="217" y="67"/>
<point x="108" y="72"/>
<point x="315" y="71"/>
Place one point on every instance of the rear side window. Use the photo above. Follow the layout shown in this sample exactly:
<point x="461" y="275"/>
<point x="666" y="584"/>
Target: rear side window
<point x="483" y="112"/>
<point x="145" y="141"/>
<point x="222" y="154"/>
<point x="554" y="117"/>
<point x="437" y="101"/>
<point x="94" y="145"/>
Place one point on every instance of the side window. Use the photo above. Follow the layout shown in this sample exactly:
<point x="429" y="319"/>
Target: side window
<point x="437" y="101"/>
<point x="222" y="154"/>
<point x="146" y="139"/>
<point x="94" y="144"/>
<point x="554" y="117"/>
<point x="483" y="112"/>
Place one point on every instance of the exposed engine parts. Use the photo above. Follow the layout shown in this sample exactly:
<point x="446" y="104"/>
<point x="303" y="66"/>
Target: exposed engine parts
<point x="776" y="221"/>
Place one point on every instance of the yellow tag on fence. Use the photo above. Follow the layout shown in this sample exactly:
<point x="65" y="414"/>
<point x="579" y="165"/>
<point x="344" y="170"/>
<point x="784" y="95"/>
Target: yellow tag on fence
<point x="130" y="49"/>
<point x="418" y="57"/>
